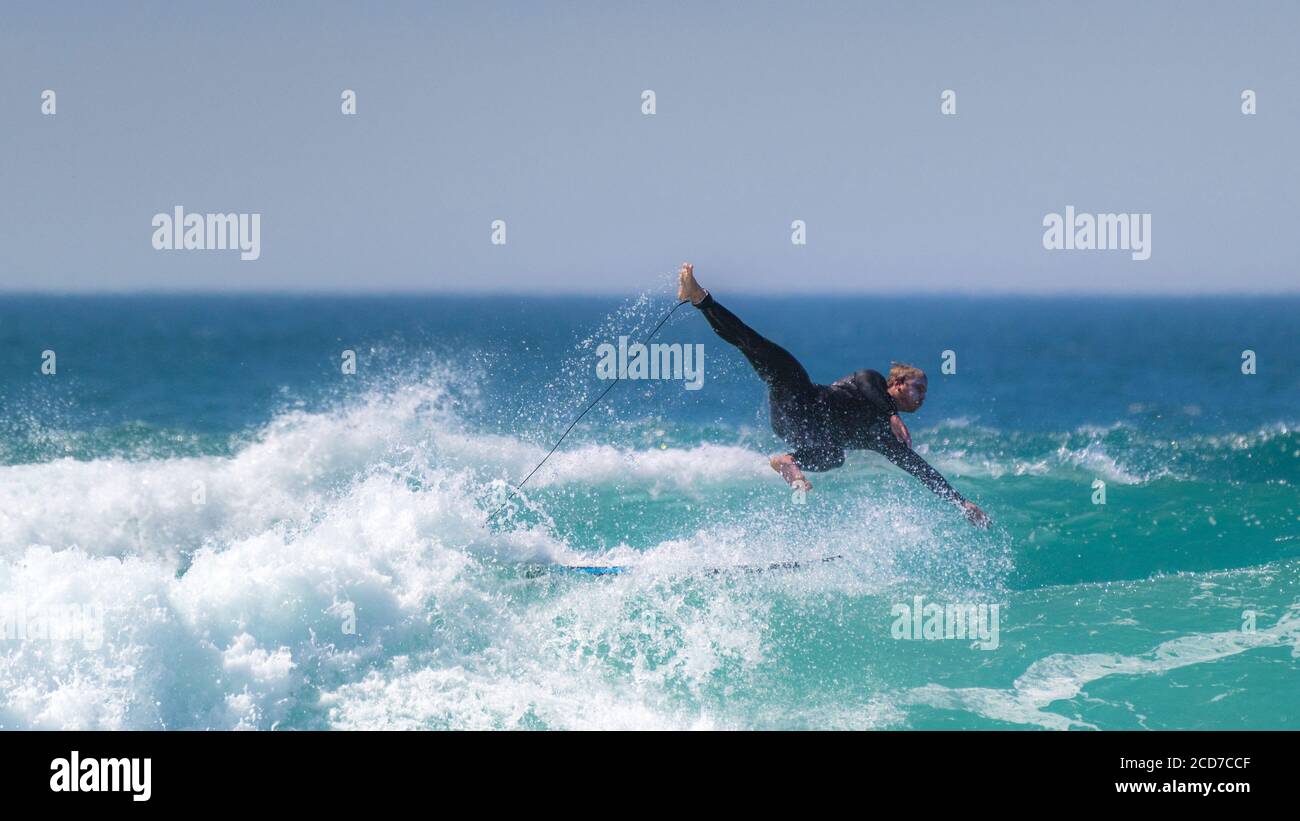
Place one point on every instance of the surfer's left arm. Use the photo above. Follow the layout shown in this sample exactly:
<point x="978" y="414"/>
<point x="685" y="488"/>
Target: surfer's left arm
<point x="910" y="461"/>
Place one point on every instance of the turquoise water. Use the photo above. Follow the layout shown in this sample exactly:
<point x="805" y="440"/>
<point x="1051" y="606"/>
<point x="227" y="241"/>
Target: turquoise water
<point x="261" y="540"/>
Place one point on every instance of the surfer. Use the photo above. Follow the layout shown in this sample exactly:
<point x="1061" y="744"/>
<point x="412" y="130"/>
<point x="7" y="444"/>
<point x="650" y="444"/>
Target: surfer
<point x="820" y="422"/>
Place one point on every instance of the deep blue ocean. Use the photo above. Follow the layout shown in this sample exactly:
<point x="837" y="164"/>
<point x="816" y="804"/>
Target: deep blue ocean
<point x="252" y="537"/>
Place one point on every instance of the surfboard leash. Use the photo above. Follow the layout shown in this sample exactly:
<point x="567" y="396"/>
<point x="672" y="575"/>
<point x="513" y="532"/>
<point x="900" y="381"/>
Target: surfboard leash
<point x="514" y="490"/>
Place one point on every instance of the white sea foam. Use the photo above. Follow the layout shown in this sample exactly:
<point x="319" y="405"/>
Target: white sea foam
<point x="1094" y="459"/>
<point x="235" y="613"/>
<point x="1063" y="676"/>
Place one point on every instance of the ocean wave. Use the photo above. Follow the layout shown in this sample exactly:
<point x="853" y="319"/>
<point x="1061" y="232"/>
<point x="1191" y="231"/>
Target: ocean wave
<point x="1062" y="677"/>
<point x="232" y="611"/>
<point x="226" y="583"/>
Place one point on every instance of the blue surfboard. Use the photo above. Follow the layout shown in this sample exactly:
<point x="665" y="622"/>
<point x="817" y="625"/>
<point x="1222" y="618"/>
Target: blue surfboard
<point x="534" y="571"/>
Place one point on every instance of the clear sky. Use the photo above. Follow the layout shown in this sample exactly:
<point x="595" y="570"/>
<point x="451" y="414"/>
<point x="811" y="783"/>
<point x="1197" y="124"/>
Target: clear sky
<point x="767" y="113"/>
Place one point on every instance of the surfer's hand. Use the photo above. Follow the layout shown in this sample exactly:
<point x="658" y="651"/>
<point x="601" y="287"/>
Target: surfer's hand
<point x="900" y="430"/>
<point x="789" y="471"/>
<point x="976" y="516"/>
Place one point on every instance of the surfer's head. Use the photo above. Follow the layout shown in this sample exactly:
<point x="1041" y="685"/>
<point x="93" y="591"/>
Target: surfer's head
<point x="907" y="386"/>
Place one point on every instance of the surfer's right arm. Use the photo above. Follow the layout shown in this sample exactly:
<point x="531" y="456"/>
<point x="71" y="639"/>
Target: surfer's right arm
<point x="792" y="465"/>
<point x="785" y="465"/>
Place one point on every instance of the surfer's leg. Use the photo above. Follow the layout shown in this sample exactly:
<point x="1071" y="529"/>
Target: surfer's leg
<point x="784" y="376"/>
<point x="792" y="394"/>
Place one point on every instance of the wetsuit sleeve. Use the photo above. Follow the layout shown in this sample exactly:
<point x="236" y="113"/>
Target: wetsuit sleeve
<point x="818" y="458"/>
<point x="910" y="461"/>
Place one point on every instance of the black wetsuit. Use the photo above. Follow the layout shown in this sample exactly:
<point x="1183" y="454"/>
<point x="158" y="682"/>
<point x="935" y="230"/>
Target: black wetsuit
<point x="822" y="421"/>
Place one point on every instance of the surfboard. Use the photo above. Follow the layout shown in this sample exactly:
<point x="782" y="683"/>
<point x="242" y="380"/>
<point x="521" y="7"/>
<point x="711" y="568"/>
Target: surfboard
<point x="533" y="571"/>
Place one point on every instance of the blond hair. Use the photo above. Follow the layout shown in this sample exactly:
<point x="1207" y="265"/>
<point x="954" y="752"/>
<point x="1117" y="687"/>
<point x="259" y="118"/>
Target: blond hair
<point x="900" y="372"/>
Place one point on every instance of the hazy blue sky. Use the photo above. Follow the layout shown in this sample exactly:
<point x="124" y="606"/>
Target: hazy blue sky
<point x="767" y="113"/>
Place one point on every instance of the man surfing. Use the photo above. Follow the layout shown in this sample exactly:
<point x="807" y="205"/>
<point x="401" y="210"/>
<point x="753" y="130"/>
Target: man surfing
<point x="820" y="422"/>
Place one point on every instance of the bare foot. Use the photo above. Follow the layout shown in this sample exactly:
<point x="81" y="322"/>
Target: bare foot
<point x="687" y="287"/>
<point x="789" y="471"/>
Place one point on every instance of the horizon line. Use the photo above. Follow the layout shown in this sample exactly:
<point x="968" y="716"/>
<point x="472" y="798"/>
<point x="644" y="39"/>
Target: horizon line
<point x="596" y="294"/>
